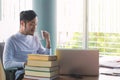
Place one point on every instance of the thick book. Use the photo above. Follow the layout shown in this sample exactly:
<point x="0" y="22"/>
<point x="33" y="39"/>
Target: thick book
<point x="41" y="73"/>
<point x="42" y="63"/>
<point x="26" y="77"/>
<point x="42" y="57"/>
<point x="41" y="68"/>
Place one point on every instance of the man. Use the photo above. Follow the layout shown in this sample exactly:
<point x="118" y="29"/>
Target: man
<point x="24" y="42"/>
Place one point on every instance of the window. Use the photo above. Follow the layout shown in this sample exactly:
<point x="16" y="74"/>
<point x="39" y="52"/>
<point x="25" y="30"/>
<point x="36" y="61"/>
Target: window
<point x="69" y="23"/>
<point x="0" y="9"/>
<point x="102" y="25"/>
<point x="10" y="10"/>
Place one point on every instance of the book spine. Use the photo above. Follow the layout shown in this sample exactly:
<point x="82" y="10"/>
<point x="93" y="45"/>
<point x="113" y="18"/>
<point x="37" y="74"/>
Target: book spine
<point x="41" y="68"/>
<point x="47" y="58"/>
<point x="41" y="74"/>
<point x="42" y="63"/>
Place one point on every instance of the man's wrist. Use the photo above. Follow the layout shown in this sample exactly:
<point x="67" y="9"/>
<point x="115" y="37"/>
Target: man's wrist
<point x="48" y="44"/>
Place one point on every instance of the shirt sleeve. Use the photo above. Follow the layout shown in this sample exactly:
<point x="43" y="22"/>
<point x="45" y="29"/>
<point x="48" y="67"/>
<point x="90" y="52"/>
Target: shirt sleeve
<point x="43" y="50"/>
<point x="8" y="54"/>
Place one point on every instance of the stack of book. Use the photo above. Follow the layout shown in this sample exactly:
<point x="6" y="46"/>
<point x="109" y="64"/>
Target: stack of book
<point x="41" y="67"/>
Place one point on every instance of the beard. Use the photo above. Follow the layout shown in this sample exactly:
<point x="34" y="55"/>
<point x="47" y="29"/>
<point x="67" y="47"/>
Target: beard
<point x="29" y="32"/>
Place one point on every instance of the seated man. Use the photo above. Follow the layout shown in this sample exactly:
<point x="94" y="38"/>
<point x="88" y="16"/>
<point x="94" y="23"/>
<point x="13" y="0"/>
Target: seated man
<point x="24" y="42"/>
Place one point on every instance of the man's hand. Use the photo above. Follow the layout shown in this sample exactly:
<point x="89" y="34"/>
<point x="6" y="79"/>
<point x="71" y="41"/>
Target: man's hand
<point x="46" y="36"/>
<point x="25" y="64"/>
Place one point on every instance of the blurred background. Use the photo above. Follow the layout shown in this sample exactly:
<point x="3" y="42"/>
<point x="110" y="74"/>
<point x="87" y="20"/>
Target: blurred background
<point x="81" y="24"/>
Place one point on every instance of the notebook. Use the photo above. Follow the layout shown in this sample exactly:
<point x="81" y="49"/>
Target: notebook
<point x="110" y="71"/>
<point x="110" y="62"/>
<point x="78" y="62"/>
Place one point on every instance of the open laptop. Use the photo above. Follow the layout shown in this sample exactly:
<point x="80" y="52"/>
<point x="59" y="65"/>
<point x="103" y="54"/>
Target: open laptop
<point x="78" y="62"/>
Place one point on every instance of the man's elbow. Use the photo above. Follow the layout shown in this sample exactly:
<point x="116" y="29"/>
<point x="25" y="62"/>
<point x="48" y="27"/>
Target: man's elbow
<point x="6" y="65"/>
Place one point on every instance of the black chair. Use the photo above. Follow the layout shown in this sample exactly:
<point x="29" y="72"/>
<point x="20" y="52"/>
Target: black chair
<point x="10" y="73"/>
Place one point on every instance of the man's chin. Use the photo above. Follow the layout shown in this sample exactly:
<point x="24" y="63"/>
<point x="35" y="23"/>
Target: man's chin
<point x="31" y="34"/>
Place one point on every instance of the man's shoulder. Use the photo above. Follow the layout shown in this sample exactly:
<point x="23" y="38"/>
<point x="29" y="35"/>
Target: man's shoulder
<point x="12" y="37"/>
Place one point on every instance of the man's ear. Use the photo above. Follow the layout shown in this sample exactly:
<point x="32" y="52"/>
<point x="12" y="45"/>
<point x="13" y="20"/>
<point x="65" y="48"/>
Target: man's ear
<point x="22" y="23"/>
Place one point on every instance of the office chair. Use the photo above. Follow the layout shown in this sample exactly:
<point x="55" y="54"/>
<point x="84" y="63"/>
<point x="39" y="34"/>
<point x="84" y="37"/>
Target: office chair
<point x="9" y="73"/>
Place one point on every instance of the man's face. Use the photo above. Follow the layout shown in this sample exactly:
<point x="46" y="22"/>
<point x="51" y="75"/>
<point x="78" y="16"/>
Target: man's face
<point x="29" y="27"/>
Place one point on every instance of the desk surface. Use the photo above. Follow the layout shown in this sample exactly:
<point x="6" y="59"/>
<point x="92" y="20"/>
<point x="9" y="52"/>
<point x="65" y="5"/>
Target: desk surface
<point x="101" y="77"/>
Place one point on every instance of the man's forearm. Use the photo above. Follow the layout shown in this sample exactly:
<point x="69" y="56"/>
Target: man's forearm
<point x="48" y="44"/>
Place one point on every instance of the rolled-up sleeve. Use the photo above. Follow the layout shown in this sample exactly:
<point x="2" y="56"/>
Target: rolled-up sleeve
<point x="43" y="50"/>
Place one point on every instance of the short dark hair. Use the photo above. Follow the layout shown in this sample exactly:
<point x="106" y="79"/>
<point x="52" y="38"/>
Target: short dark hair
<point x="27" y="15"/>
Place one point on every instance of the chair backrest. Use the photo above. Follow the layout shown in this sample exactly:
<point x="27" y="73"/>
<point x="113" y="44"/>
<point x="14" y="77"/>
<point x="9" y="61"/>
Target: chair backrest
<point x="5" y="74"/>
<point x="2" y="72"/>
<point x="1" y="50"/>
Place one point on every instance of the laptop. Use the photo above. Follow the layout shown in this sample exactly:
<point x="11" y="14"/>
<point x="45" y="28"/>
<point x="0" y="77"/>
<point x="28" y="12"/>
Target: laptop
<point x="78" y="62"/>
